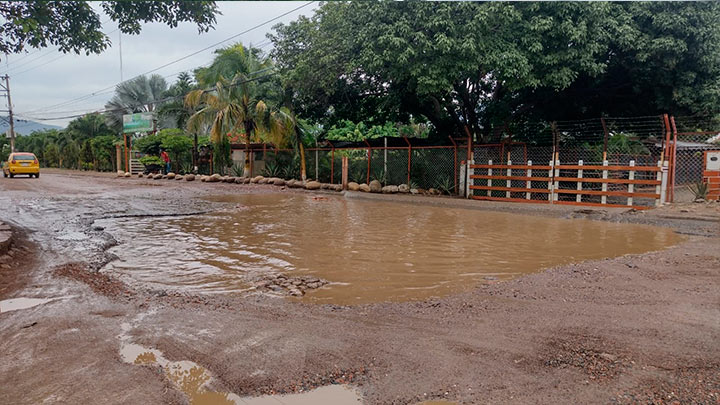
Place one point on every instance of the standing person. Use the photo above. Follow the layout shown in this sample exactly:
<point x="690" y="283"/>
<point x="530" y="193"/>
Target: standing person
<point x="166" y="158"/>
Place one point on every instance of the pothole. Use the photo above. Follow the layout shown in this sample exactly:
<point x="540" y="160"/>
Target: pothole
<point x="193" y="380"/>
<point x="15" y="304"/>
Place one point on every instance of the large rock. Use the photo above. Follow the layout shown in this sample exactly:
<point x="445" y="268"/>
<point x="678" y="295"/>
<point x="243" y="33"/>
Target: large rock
<point x="171" y="175"/>
<point x="313" y="185"/>
<point x="434" y="191"/>
<point x="178" y="177"/>
<point x="352" y="186"/>
<point x="256" y="179"/>
<point x="364" y="188"/>
<point x="214" y="178"/>
<point x="336" y="187"/>
<point x="403" y="188"/>
<point x="158" y="176"/>
<point x="141" y="175"/>
<point x="239" y="180"/>
<point x="189" y="177"/>
<point x="290" y="182"/>
<point x="128" y="174"/>
<point x="279" y="182"/>
<point x="120" y="173"/>
<point x="230" y="179"/>
<point x="390" y="189"/>
<point x="414" y="191"/>
<point x="375" y="186"/>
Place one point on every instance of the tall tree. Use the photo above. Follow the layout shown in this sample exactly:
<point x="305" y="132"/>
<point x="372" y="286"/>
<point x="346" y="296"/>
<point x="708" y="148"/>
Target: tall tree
<point x="231" y="107"/>
<point x="477" y="66"/>
<point x="74" y="26"/>
<point x="140" y="94"/>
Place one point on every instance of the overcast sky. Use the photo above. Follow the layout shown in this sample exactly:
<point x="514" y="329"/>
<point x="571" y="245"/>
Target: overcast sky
<point x="47" y="77"/>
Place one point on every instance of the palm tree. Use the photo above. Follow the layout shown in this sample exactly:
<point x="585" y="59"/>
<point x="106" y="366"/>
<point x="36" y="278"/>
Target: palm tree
<point x="140" y="94"/>
<point x="173" y="113"/>
<point x="88" y="126"/>
<point x="232" y="107"/>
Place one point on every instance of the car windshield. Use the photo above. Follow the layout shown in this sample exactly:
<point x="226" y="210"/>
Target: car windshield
<point x="24" y="157"/>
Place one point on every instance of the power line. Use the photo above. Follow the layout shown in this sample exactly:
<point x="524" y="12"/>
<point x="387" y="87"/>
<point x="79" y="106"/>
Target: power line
<point x="174" y="61"/>
<point x="48" y="53"/>
<point x="164" y="100"/>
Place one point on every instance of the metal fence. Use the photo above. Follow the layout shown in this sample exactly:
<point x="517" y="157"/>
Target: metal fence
<point x="691" y="137"/>
<point x="646" y="141"/>
<point x="420" y="167"/>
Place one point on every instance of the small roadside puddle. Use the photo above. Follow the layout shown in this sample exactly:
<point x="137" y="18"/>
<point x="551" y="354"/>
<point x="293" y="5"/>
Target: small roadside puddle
<point x="15" y="304"/>
<point x="193" y="380"/>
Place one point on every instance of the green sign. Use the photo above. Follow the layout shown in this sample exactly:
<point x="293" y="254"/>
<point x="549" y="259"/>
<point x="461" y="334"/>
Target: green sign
<point x="140" y="122"/>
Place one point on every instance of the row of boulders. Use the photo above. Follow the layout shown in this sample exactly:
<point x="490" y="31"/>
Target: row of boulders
<point x="295" y="286"/>
<point x="169" y="176"/>
<point x="374" y="186"/>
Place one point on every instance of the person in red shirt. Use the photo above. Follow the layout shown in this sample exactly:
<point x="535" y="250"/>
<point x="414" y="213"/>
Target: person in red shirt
<point x="166" y="158"/>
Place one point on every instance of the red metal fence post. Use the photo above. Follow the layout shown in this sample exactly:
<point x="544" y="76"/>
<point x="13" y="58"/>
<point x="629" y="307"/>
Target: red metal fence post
<point x="673" y="161"/>
<point x="455" y="173"/>
<point x="605" y="138"/>
<point x="332" y="163"/>
<point x="409" y="159"/>
<point x="667" y="151"/>
<point x="369" y="156"/>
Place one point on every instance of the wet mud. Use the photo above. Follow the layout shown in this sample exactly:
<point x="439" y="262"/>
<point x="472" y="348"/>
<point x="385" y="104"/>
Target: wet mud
<point x="636" y="328"/>
<point x="363" y="251"/>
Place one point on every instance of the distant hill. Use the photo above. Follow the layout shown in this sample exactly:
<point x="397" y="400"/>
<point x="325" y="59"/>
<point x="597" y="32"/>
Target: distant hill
<point x="25" y="127"/>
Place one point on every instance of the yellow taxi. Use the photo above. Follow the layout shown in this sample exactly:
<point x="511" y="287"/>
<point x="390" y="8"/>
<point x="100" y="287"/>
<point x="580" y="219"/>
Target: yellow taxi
<point x="21" y="163"/>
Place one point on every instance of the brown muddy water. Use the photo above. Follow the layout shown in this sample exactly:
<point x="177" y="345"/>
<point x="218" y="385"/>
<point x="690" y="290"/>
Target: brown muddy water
<point x="369" y="251"/>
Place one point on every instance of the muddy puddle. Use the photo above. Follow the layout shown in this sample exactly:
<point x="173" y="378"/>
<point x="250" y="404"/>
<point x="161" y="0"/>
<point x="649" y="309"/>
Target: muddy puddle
<point x="195" y="382"/>
<point x="368" y="251"/>
<point x="15" y="304"/>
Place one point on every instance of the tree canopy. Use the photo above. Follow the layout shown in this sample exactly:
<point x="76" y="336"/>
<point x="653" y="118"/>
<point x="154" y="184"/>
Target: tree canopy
<point x="74" y="26"/>
<point x="482" y="65"/>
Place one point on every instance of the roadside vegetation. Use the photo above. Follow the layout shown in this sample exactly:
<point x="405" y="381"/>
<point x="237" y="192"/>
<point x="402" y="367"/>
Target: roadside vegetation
<point x="424" y="70"/>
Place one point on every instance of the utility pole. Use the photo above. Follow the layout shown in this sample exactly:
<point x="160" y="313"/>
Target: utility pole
<point x="11" y="120"/>
<point x="120" y="46"/>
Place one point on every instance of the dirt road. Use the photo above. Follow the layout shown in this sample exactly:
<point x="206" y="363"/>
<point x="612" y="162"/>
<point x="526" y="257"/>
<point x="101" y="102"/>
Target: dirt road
<point x="635" y="329"/>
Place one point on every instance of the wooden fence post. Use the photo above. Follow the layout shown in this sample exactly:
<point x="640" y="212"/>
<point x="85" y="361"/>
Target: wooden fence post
<point x="344" y="172"/>
<point x="508" y="183"/>
<point x="550" y="180"/>
<point x="578" y="197"/>
<point x="663" y="183"/>
<point x="528" y="184"/>
<point x="556" y="175"/>
<point x="603" y="199"/>
<point x="470" y="181"/>
<point x="489" y="182"/>
<point x="631" y="187"/>
<point x="658" y="188"/>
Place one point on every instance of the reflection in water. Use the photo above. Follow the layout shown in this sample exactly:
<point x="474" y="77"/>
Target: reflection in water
<point x="192" y="379"/>
<point x="188" y="377"/>
<point x="15" y="304"/>
<point x="370" y="251"/>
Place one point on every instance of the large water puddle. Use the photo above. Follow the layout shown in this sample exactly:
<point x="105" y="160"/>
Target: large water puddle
<point x="369" y="251"/>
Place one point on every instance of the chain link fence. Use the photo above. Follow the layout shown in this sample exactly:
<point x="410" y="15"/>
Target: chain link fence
<point x="625" y="141"/>
<point x="692" y="137"/>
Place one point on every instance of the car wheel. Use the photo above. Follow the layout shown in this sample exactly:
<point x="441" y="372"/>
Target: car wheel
<point x="12" y="175"/>
<point x="37" y="175"/>
<point x="4" y="174"/>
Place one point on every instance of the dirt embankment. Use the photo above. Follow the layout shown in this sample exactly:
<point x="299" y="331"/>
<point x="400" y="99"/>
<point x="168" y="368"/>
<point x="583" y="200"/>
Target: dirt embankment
<point x="635" y="329"/>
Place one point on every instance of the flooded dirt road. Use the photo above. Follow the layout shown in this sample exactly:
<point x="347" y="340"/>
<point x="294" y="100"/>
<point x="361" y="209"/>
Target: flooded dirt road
<point x="368" y="251"/>
<point x="639" y="328"/>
